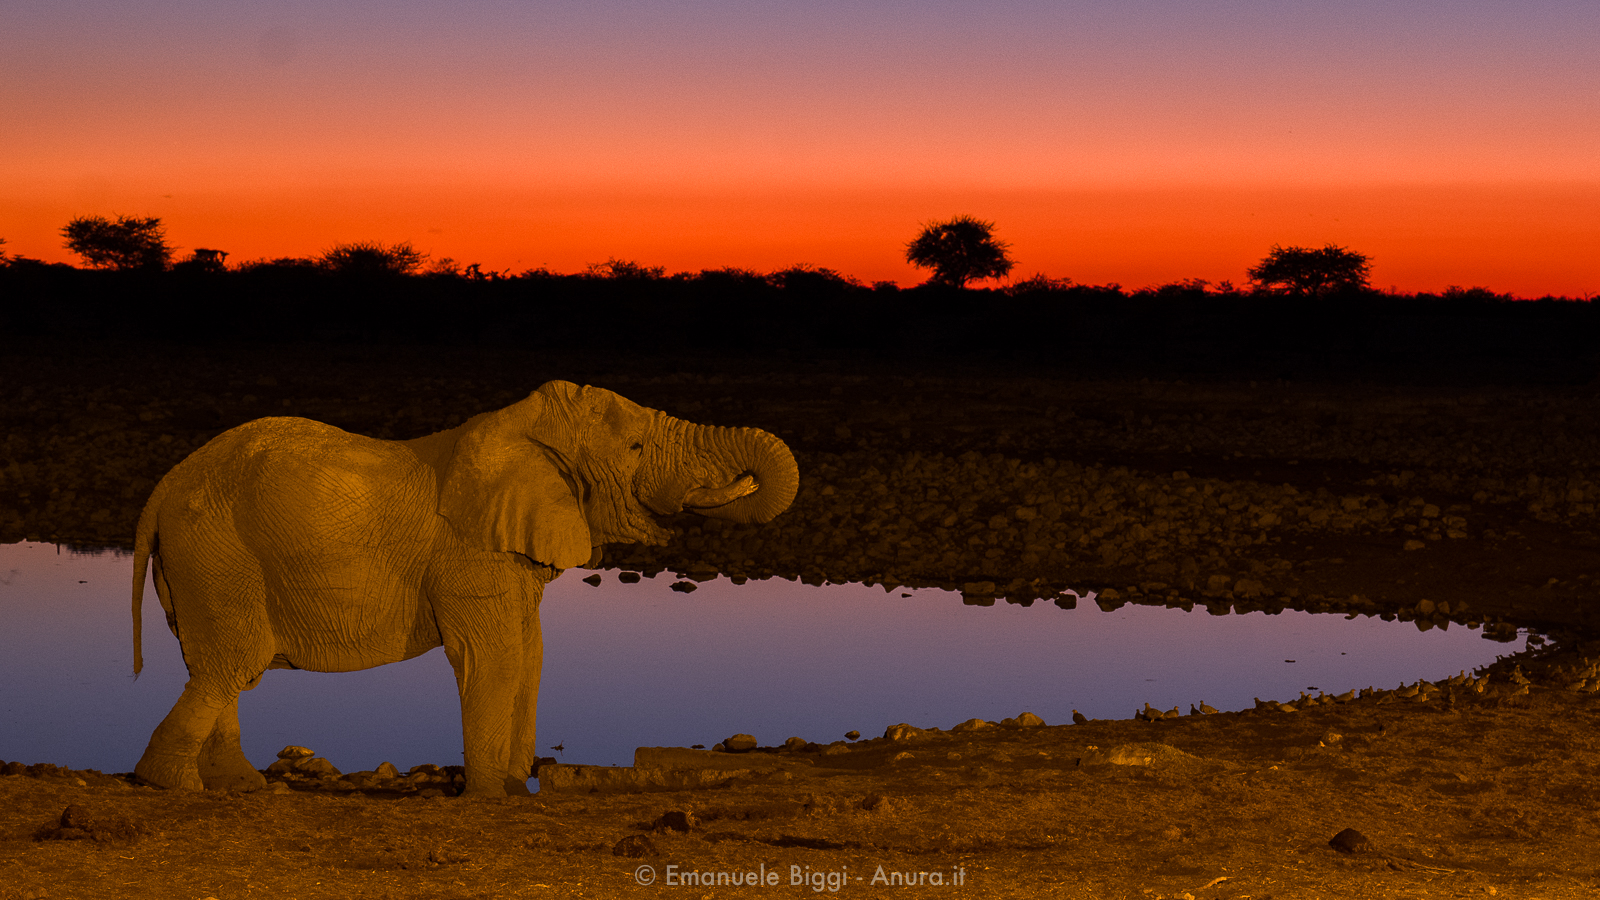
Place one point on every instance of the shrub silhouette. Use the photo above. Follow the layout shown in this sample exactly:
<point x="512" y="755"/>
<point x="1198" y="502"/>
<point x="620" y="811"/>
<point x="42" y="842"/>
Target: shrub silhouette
<point x="372" y="258"/>
<point x="1036" y="284"/>
<point x="808" y="278"/>
<point x="127" y="243"/>
<point x="959" y="250"/>
<point x="203" y="259"/>
<point x="624" y="270"/>
<point x="282" y="263"/>
<point x="1303" y="272"/>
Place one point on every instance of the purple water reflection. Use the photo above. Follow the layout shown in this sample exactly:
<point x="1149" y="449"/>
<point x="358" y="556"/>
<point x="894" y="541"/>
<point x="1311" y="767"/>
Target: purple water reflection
<point x="637" y="665"/>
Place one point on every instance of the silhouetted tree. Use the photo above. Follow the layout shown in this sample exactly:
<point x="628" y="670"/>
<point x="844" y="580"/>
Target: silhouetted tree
<point x="444" y="267"/>
<point x="127" y="243"/>
<point x="960" y="250"/>
<point x="1303" y="272"/>
<point x="372" y="258"/>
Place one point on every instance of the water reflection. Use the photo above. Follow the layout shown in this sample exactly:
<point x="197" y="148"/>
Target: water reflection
<point x="638" y="665"/>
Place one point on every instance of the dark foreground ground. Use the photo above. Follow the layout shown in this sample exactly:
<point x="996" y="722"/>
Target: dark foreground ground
<point x="1450" y="505"/>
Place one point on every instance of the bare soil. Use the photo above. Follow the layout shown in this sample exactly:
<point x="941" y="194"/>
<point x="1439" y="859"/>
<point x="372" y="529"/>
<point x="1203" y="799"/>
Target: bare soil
<point x="1313" y="496"/>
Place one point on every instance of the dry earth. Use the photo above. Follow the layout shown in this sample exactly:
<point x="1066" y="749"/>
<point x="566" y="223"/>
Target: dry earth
<point x="1446" y="505"/>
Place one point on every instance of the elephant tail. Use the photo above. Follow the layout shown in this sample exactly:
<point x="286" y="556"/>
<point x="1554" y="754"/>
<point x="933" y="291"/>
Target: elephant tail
<point x="144" y="544"/>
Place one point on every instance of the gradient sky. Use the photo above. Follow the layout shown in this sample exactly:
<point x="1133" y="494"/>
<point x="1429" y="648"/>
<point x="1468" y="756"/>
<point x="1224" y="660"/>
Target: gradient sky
<point x="1136" y="142"/>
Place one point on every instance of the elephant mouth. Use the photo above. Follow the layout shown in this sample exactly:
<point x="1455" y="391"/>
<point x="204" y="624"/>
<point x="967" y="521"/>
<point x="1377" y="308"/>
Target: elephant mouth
<point x="711" y="498"/>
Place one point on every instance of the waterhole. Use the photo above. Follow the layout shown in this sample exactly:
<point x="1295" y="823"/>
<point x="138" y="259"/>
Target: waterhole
<point x="629" y="665"/>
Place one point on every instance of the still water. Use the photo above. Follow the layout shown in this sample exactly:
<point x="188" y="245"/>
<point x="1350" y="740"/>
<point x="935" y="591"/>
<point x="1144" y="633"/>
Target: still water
<point x="641" y="665"/>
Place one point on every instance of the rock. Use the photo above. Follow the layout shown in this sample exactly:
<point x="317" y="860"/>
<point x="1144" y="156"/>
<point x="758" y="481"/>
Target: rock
<point x="293" y="752"/>
<point x="739" y="743"/>
<point x="593" y="580"/>
<point x="903" y="732"/>
<point x="636" y="846"/>
<point x="1350" y="841"/>
<point x="795" y="744"/>
<point x="386" y="770"/>
<point x="319" y="767"/>
<point x="76" y="823"/>
<point x="972" y="725"/>
<point x="852" y="735"/>
<point x="673" y="820"/>
<point x="1029" y="720"/>
<point x="628" y="577"/>
<point x="684" y="587"/>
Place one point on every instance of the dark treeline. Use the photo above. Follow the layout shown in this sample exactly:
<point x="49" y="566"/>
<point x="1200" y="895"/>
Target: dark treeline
<point x="1170" y="331"/>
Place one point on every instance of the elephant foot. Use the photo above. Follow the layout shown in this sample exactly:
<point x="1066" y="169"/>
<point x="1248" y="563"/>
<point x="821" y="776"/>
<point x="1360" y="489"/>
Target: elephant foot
<point x="508" y="786"/>
<point x="217" y="780"/>
<point x="168" y="772"/>
<point x="226" y="769"/>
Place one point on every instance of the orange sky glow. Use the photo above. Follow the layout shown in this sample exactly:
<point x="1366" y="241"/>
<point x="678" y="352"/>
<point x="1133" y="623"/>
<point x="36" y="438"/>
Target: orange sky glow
<point x="1106" y="146"/>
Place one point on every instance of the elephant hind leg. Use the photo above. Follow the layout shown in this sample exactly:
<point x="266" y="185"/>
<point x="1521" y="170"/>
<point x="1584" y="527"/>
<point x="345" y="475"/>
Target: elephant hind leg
<point x="197" y="745"/>
<point x="222" y="763"/>
<point x="171" y="759"/>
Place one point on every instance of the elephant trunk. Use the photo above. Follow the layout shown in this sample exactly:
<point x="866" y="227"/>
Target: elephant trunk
<point x="738" y="474"/>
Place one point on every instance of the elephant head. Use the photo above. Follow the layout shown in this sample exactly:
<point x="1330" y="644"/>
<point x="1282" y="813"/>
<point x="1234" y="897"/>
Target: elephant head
<point x="569" y="469"/>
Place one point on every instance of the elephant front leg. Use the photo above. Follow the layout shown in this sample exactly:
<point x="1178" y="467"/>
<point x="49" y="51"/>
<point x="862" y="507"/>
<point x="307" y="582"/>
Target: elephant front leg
<point x="488" y="663"/>
<point x="524" y="730"/>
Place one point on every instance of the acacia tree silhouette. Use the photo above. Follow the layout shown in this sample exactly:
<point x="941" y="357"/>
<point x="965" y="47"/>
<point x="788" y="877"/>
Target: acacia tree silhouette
<point x="959" y="250"/>
<point x="129" y="242"/>
<point x="1303" y="272"/>
<point x="372" y="258"/>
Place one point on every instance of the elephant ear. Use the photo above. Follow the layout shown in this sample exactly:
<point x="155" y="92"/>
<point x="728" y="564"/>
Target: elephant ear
<point x="502" y="491"/>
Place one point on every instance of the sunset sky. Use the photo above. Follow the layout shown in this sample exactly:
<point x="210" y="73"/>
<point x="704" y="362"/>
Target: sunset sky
<point x="1135" y="142"/>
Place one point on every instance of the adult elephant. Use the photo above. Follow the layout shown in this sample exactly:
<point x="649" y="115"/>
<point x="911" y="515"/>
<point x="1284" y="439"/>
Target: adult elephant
<point x="288" y="543"/>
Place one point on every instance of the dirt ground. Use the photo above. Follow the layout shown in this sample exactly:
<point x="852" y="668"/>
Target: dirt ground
<point x="1448" y="506"/>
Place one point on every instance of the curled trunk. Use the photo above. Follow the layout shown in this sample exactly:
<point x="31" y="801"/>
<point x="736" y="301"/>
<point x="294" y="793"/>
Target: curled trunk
<point x="738" y="474"/>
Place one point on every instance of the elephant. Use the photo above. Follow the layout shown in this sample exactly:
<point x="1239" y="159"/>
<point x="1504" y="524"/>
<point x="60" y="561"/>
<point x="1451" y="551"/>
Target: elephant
<point x="289" y="543"/>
